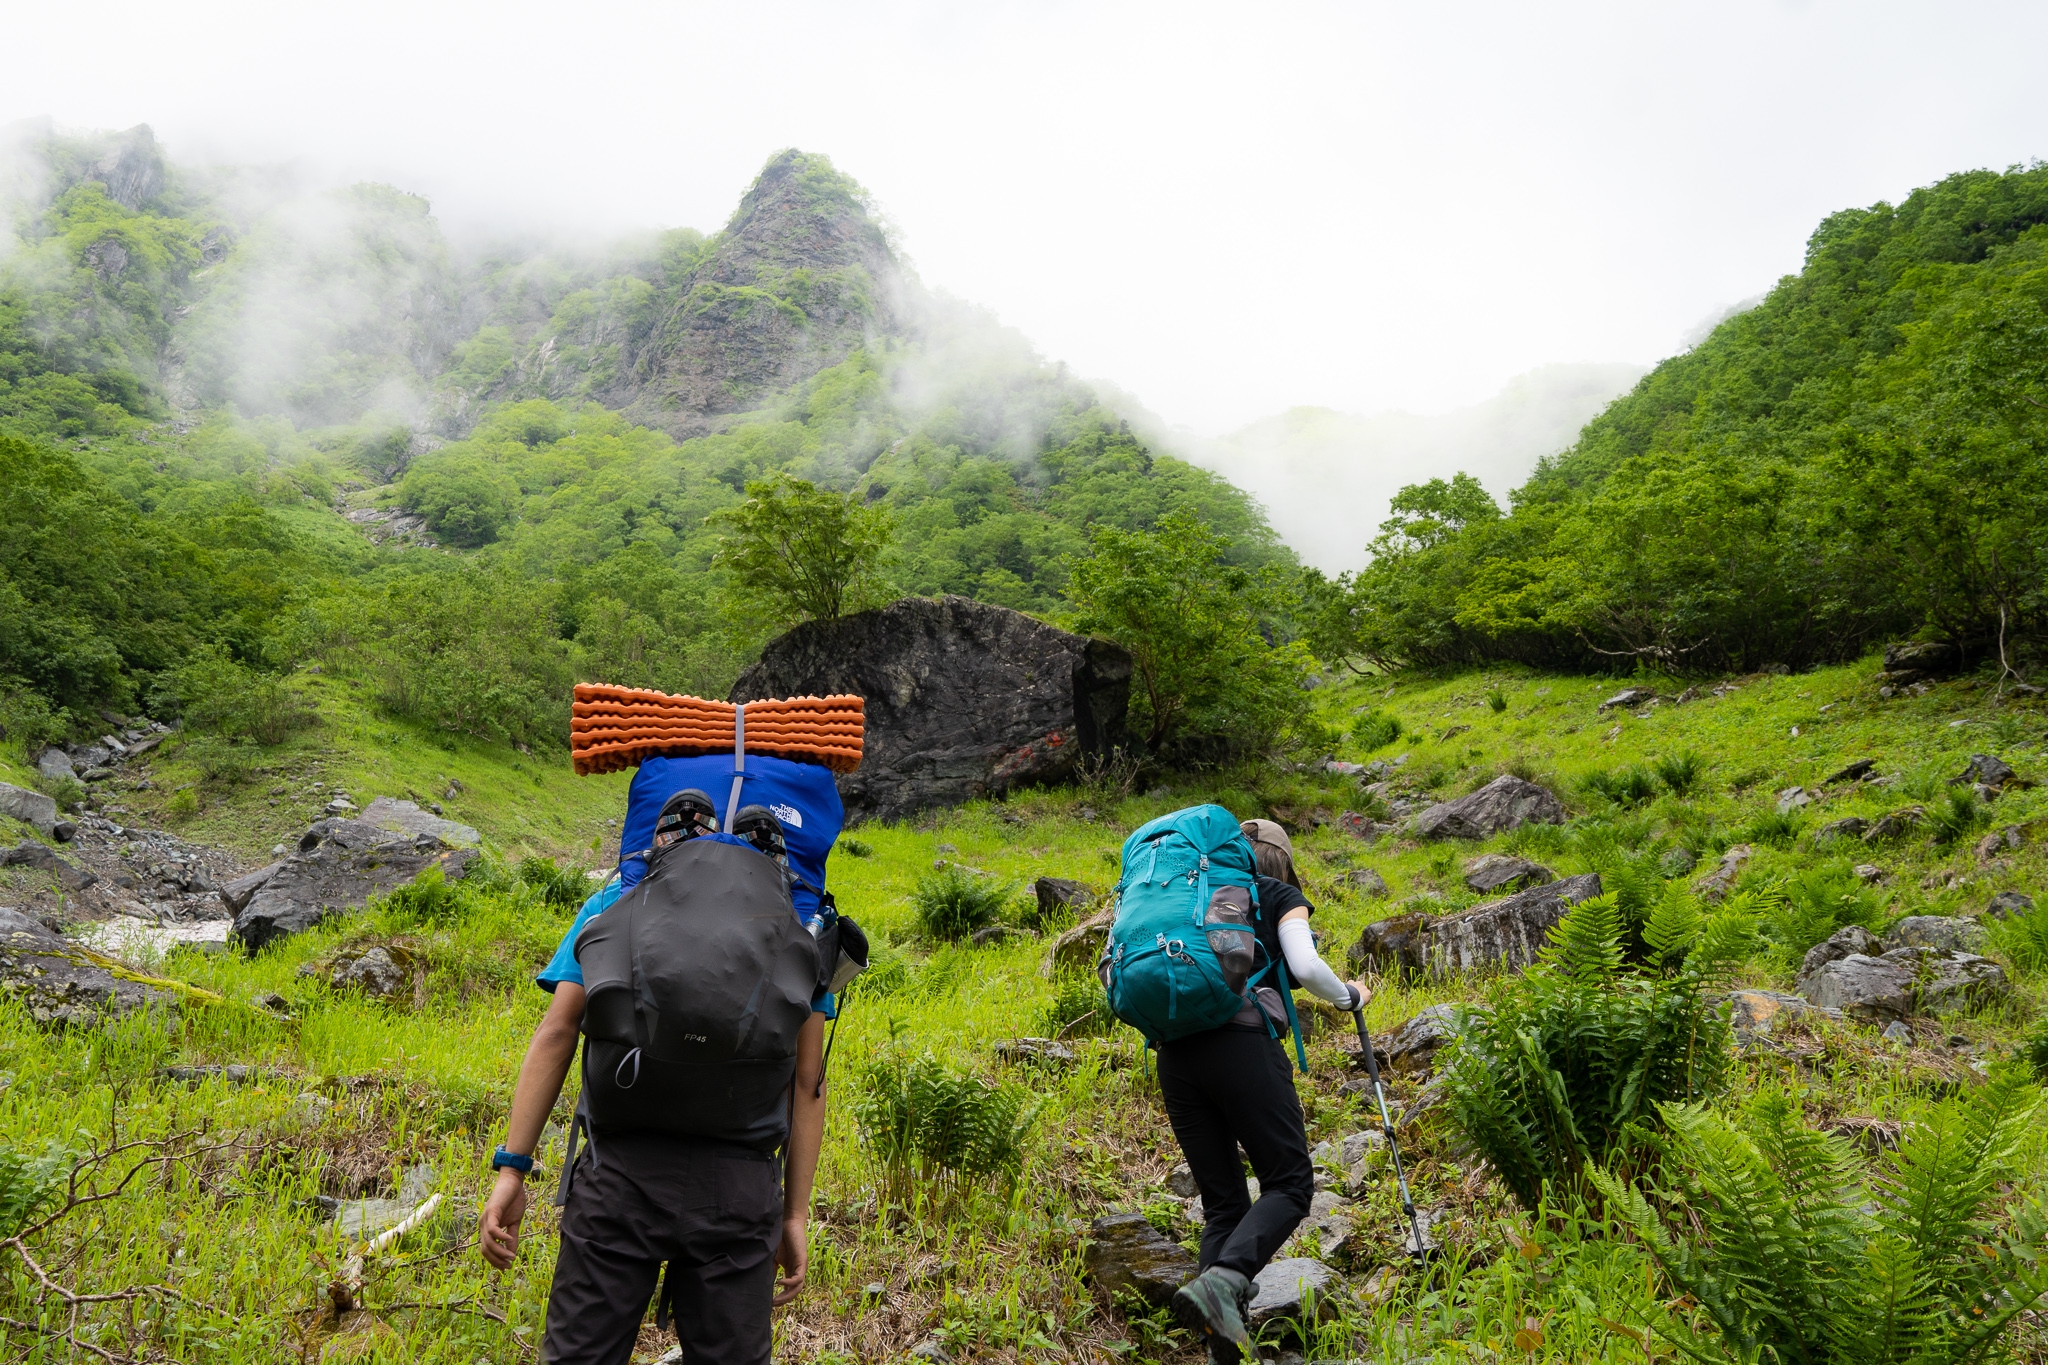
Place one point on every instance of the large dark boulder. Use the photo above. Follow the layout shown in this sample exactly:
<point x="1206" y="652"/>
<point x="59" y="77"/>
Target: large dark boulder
<point x="1502" y="936"/>
<point x="963" y="699"/>
<point x="1124" y="1252"/>
<point x="56" y="983"/>
<point x="339" y="865"/>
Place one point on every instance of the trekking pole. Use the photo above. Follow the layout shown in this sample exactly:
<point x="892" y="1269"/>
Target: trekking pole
<point x="1372" y="1068"/>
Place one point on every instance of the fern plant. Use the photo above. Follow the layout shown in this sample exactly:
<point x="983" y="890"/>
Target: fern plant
<point x="1679" y="772"/>
<point x="1775" y="1249"/>
<point x="1568" y="1065"/>
<point x="936" y="1134"/>
<point x="950" y="903"/>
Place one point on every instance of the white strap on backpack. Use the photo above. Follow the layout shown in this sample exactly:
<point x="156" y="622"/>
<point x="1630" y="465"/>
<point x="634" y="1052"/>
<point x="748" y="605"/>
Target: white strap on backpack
<point x="739" y="763"/>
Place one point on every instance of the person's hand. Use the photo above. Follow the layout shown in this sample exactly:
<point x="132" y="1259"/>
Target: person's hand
<point x="1362" y="991"/>
<point x="794" y="1256"/>
<point x="503" y="1212"/>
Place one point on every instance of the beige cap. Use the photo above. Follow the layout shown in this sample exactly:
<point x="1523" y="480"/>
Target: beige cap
<point x="1266" y="832"/>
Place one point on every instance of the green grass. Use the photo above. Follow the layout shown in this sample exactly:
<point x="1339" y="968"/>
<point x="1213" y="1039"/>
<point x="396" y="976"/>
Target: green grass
<point x="995" y="1272"/>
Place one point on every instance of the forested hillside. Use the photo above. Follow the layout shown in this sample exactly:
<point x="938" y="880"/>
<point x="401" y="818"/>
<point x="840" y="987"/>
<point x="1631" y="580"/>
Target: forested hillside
<point x="1860" y="456"/>
<point x="225" y="384"/>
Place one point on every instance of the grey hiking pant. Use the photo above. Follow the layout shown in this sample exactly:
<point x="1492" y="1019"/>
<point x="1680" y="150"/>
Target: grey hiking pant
<point x="712" y="1213"/>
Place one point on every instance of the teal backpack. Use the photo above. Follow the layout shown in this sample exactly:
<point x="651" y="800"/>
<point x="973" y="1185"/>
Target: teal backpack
<point x="1183" y="952"/>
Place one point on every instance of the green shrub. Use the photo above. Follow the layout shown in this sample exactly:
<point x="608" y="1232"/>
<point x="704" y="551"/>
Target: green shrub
<point x="1567" y="1065"/>
<point x="1375" y="730"/>
<point x="67" y="792"/>
<point x="1775" y="829"/>
<point x="560" y="887"/>
<point x="1956" y="816"/>
<point x="2035" y="1050"/>
<point x="428" y="899"/>
<point x="1811" y="904"/>
<point x="1776" y="1250"/>
<point x="217" y="695"/>
<point x="2023" y="939"/>
<point x="1498" y="700"/>
<point x="1630" y="786"/>
<point x="1679" y="772"/>
<point x="855" y="848"/>
<point x="936" y="1134"/>
<point x="183" y="805"/>
<point x="950" y="903"/>
<point x="26" y="720"/>
<point x="29" y="1185"/>
<point x="1078" y="1007"/>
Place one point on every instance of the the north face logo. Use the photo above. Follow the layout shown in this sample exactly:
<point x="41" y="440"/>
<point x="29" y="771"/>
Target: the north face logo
<point x="790" y="816"/>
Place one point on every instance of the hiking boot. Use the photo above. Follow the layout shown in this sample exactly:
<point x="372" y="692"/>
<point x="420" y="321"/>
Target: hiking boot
<point x="685" y="815"/>
<point x="1213" y="1304"/>
<point x="759" y="827"/>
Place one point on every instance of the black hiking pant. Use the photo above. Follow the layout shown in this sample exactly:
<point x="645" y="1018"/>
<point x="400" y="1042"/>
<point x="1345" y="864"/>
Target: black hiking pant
<point x="712" y="1213"/>
<point x="1230" y="1088"/>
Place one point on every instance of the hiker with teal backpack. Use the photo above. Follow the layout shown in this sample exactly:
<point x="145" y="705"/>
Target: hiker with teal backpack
<point x="1210" y="939"/>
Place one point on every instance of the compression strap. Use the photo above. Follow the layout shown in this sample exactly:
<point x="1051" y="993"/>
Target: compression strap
<point x="739" y="763"/>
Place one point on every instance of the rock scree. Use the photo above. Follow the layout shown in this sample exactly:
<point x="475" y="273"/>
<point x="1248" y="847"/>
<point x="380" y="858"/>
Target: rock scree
<point x="963" y="699"/>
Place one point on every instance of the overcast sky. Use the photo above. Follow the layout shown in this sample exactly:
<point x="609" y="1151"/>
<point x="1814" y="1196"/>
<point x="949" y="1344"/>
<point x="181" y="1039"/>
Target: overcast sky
<point x="1228" y="210"/>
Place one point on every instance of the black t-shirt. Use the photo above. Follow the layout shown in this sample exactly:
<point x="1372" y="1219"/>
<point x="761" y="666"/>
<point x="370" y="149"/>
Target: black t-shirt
<point x="1276" y="898"/>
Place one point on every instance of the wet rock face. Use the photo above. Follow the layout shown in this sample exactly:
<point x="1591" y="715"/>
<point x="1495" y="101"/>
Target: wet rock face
<point x="1503" y="804"/>
<point x="1125" y="1252"/>
<point x="963" y="699"/>
<point x="55" y="983"/>
<point x="1503" y="936"/>
<point x="340" y="864"/>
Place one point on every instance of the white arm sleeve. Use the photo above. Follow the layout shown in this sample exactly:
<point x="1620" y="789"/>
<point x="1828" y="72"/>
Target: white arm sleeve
<point x="1298" y="942"/>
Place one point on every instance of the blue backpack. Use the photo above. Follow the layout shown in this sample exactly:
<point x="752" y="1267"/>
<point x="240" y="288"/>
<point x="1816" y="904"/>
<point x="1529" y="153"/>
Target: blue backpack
<point x="1183" y="954"/>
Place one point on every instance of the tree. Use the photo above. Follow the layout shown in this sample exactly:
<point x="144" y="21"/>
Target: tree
<point x="795" y="552"/>
<point x="1193" y="626"/>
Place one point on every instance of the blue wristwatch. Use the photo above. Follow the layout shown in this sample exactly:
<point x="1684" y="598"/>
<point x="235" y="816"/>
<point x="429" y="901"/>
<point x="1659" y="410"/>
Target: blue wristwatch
<point x="504" y="1158"/>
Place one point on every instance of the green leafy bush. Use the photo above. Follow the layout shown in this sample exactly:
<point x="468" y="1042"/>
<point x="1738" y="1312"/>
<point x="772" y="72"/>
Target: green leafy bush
<point x="1679" y="772"/>
<point x="1811" y="904"/>
<point x="856" y="848"/>
<point x="2023" y="939"/>
<point x="1566" y="1066"/>
<point x="1956" y="816"/>
<point x="218" y="695"/>
<point x="1775" y="829"/>
<point x="2035" y="1050"/>
<point x="1497" y="700"/>
<point x="560" y="887"/>
<point x="950" y="903"/>
<point x="1078" y="1007"/>
<point x="1375" y="730"/>
<point x="428" y="899"/>
<point x="1630" y="786"/>
<point x="29" y="1185"/>
<point x="1774" y="1249"/>
<point x="936" y="1134"/>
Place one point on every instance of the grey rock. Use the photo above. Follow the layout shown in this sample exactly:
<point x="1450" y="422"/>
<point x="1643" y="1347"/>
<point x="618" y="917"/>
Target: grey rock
<point x="1918" y="661"/>
<point x="931" y="1348"/>
<point x="44" y="859"/>
<point x="1936" y="931"/>
<point x="342" y="863"/>
<point x="994" y="933"/>
<point x="1871" y="1135"/>
<point x="1952" y="981"/>
<point x="1628" y="698"/>
<point x="64" y="831"/>
<point x="1676" y="862"/>
<point x="2006" y="904"/>
<point x="404" y="817"/>
<point x="1125" y="1252"/>
<point x="1895" y="824"/>
<point x="1868" y="873"/>
<point x="1057" y="896"/>
<point x="1045" y="1052"/>
<point x="54" y="765"/>
<point x="1871" y="990"/>
<point x="31" y="808"/>
<point x="1848" y="827"/>
<point x="2000" y="841"/>
<point x="1985" y="770"/>
<point x="1503" y="804"/>
<point x="93" y="776"/>
<point x="1504" y="872"/>
<point x="1897" y="1032"/>
<point x="1844" y="942"/>
<point x="1755" y="1014"/>
<point x="1079" y="948"/>
<point x="1854" y="772"/>
<point x="236" y="894"/>
<point x="1505" y="935"/>
<point x="58" y="986"/>
<point x="85" y="757"/>
<point x="374" y="972"/>
<point x="1411" y="1049"/>
<point x="963" y="699"/>
<point x="1717" y="884"/>
<point x="1282" y="1292"/>
<point x="1792" y="798"/>
<point x="1362" y="826"/>
<point x="363" y="1219"/>
<point x="1364" y="881"/>
<point x="1181" y="1181"/>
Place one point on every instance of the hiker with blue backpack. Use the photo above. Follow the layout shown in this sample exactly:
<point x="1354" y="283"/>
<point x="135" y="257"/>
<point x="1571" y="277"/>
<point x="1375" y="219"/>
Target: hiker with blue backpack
<point x="700" y="979"/>
<point x="1211" y="936"/>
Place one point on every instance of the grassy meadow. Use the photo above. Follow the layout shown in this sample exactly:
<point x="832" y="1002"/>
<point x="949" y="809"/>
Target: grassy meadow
<point x="203" y="1235"/>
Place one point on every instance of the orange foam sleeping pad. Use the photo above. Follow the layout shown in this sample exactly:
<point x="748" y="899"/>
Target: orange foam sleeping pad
<point x="612" y="728"/>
